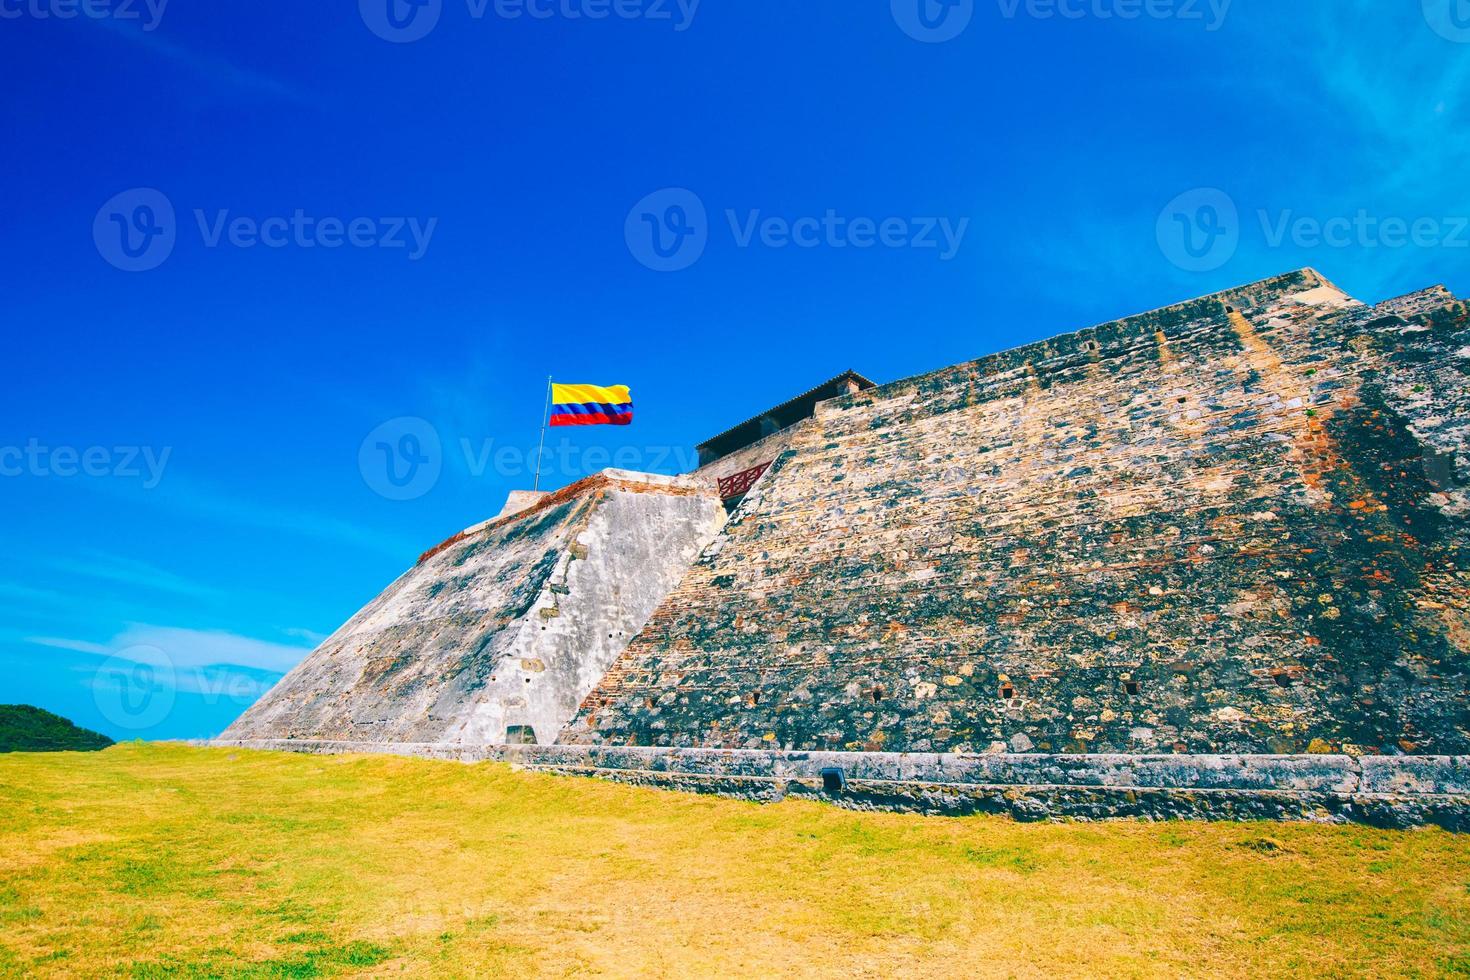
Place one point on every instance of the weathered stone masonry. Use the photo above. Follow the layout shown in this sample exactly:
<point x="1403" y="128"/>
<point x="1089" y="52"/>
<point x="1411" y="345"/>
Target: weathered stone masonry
<point x="1209" y="561"/>
<point x="1234" y="525"/>
<point x="1403" y="791"/>
<point x="497" y="634"/>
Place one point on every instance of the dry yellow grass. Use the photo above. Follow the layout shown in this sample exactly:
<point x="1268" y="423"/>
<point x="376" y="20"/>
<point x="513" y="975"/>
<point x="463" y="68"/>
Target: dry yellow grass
<point x="165" y="860"/>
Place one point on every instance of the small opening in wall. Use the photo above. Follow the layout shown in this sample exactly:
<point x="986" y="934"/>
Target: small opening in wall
<point x="1283" y="680"/>
<point x="1131" y="687"/>
<point x="528" y="680"/>
<point x="834" y="780"/>
<point x="1183" y="401"/>
<point x="876" y="694"/>
<point x="1007" y="692"/>
<point x="755" y="697"/>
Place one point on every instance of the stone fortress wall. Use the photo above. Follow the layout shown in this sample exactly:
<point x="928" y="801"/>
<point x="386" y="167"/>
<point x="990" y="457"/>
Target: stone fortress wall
<point x="1233" y="525"/>
<point x="1205" y="561"/>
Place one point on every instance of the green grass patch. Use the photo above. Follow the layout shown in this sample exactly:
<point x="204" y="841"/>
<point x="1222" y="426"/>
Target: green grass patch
<point x="168" y="861"/>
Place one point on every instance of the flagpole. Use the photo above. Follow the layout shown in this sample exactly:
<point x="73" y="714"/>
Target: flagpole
<point x="545" y="417"/>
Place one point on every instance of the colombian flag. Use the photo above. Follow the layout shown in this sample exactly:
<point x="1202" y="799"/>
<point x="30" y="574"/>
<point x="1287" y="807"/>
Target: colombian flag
<point x="591" y="405"/>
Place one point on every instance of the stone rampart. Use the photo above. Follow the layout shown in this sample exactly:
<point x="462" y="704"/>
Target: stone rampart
<point x="1236" y="525"/>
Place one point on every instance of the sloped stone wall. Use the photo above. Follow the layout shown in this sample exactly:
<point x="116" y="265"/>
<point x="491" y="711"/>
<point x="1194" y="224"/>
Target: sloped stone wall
<point x="502" y="630"/>
<point x="1233" y="525"/>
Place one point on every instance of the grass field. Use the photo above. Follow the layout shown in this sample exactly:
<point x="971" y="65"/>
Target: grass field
<point x="155" y="861"/>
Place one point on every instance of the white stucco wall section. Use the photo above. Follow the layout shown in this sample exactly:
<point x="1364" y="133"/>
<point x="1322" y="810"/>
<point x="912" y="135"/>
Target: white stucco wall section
<point x="635" y="548"/>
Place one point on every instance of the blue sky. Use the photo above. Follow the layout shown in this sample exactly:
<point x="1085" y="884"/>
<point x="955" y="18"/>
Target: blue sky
<point x="330" y="231"/>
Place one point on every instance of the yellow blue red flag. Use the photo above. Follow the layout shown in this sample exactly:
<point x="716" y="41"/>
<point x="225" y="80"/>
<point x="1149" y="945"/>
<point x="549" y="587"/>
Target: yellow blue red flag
<point x="591" y="405"/>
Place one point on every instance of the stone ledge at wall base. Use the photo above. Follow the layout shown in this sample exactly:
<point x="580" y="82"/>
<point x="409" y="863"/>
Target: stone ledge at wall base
<point x="1382" y="791"/>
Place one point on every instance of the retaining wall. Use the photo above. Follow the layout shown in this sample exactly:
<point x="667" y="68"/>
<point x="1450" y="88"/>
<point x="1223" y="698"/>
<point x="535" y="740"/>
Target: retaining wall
<point x="1386" y="791"/>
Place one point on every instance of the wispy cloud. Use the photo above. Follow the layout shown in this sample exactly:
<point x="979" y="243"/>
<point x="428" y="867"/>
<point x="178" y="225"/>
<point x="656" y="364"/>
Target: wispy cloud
<point x="77" y="646"/>
<point x="1399" y="122"/>
<point x="138" y="697"/>
<point x="205" y="66"/>
<point x="201" y="499"/>
<point x="182" y="649"/>
<point x="235" y="510"/>
<point x="149" y="593"/>
<point x="136" y="677"/>
<point x="29" y="593"/>
<point x="310" y="636"/>
<point x="72" y="606"/>
<point x="1400" y="118"/>
<point x="242" y="685"/>
<point x="128" y="571"/>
